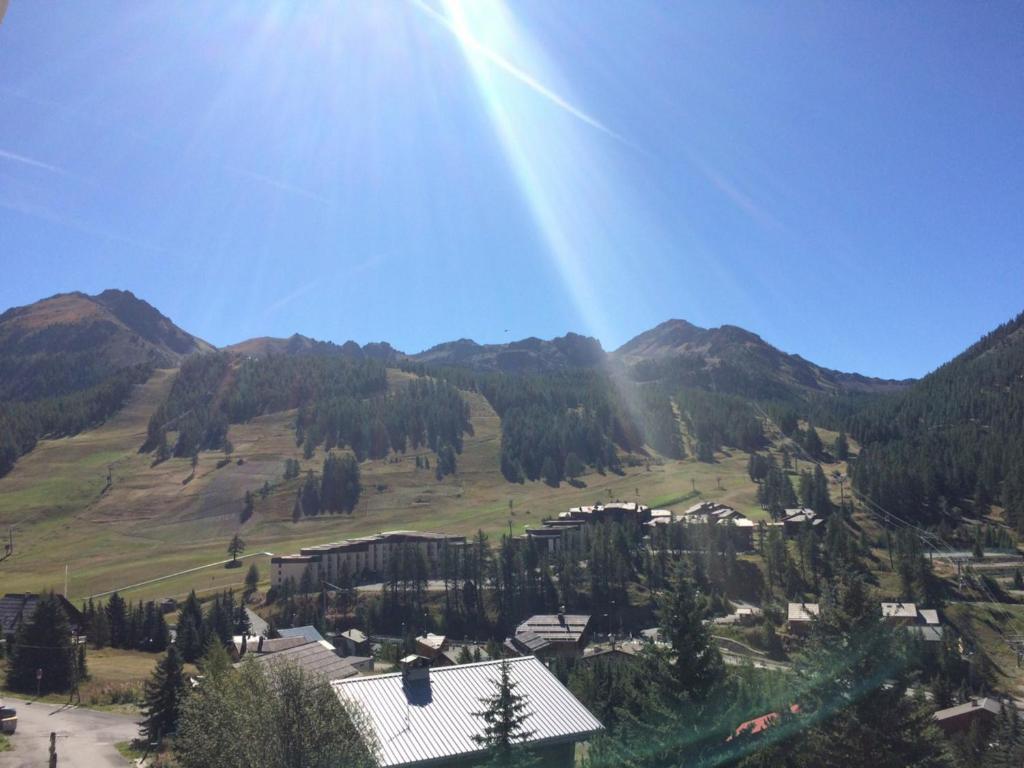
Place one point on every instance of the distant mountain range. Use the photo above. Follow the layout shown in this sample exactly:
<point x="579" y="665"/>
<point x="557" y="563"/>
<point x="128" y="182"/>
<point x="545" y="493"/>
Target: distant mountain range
<point x="115" y="329"/>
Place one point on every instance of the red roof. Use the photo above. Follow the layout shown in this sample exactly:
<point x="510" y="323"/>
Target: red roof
<point x="762" y="723"/>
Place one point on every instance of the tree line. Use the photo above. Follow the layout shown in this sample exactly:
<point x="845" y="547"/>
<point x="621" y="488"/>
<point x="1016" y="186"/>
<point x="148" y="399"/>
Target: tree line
<point x="24" y="422"/>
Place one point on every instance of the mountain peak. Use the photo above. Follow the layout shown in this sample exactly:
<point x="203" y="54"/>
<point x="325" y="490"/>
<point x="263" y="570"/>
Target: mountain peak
<point x="91" y="336"/>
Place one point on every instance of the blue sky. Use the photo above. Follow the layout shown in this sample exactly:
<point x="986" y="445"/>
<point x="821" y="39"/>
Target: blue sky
<point x="843" y="178"/>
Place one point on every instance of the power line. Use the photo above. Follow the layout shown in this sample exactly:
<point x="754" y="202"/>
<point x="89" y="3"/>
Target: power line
<point x="928" y="537"/>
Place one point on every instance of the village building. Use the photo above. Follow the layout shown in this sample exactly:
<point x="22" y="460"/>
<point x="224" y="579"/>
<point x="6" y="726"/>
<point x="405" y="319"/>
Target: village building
<point x="353" y="642"/>
<point x="426" y="716"/>
<point x="430" y="645"/>
<point x="317" y="659"/>
<point x="449" y="657"/>
<point x="551" y="635"/>
<point x="961" y="717"/>
<point x="613" y="511"/>
<point x="801" y="616"/>
<point x="796" y="520"/>
<point x="899" y="614"/>
<point x="739" y="526"/>
<point x="308" y="632"/>
<point x="243" y="644"/>
<point x="362" y="557"/>
<point x="16" y="609"/>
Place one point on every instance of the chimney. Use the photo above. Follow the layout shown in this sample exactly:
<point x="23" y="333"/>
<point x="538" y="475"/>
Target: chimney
<point x="414" y="669"/>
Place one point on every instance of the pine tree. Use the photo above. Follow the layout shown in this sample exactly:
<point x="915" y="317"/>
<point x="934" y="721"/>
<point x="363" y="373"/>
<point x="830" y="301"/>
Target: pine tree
<point x="235" y="548"/>
<point x="117" y="618"/>
<point x="841" y="447"/>
<point x="252" y="580"/>
<point x="698" y="665"/>
<point x="99" y="629"/>
<point x="163" y="698"/>
<point x="504" y="715"/>
<point x="42" y="642"/>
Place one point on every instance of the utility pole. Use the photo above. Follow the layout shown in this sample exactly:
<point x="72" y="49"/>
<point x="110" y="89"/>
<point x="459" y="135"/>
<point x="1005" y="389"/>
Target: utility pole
<point x="9" y="546"/>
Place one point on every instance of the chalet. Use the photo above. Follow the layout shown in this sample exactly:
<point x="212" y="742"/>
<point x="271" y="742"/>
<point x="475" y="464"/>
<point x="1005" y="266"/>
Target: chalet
<point x="899" y="614"/>
<point x="310" y="633"/>
<point x="18" y="608"/>
<point x="425" y="716"/>
<point x="353" y="642"/>
<point x="796" y="520"/>
<point x="450" y="656"/>
<point x="243" y="644"/>
<point x="550" y="635"/>
<point x="430" y="645"/>
<point x="740" y="527"/>
<point x="960" y="718"/>
<point x="316" y="659"/>
<point x="620" y="653"/>
<point x="801" y="616"/>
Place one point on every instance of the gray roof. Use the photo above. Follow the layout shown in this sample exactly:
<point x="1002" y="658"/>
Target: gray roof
<point x="268" y="644"/>
<point x="309" y="632"/>
<point x="929" y="633"/>
<point x="803" y="611"/>
<point x="257" y="624"/>
<point x="989" y="705"/>
<point x="354" y="635"/>
<point x="555" y="628"/>
<point x="314" y="658"/>
<point x="19" y="607"/>
<point x="424" y="722"/>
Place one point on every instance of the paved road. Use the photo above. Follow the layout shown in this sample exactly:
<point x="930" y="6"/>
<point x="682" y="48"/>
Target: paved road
<point x="433" y="585"/>
<point x="85" y="738"/>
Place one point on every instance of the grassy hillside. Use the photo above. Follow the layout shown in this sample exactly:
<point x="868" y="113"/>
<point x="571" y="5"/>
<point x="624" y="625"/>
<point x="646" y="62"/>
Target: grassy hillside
<point x="157" y="520"/>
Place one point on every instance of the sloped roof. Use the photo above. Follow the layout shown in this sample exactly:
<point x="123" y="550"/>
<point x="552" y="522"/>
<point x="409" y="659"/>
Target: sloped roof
<point x="309" y="632"/>
<point x="424" y="722"/>
<point x="899" y="611"/>
<point x="555" y="628"/>
<point x="354" y="635"/>
<point x="432" y="641"/>
<point x="257" y="624"/>
<point x="928" y="632"/>
<point x="989" y="705"/>
<point x="929" y="616"/>
<point x="803" y="611"/>
<point x="15" y="608"/>
<point x="314" y="658"/>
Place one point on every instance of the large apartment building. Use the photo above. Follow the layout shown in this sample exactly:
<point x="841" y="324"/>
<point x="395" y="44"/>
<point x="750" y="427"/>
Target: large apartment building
<point x="361" y="557"/>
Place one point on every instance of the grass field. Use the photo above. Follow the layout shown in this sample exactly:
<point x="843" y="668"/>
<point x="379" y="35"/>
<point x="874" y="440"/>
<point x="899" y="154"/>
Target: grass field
<point x="989" y="624"/>
<point x="116" y="680"/>
<point x="158" y="520"/>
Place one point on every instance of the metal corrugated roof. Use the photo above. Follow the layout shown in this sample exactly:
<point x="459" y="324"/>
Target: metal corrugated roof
<point x="424" y="722"/>
<point x="555" y="627"/>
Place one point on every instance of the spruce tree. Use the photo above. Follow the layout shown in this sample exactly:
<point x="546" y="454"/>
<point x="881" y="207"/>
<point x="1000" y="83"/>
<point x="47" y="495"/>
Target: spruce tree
<point x="252" y="580"/>
<point x="42" y="642"/>
<point x="698" y="665"/>
<point x="164" y="693"/>
<point x="235" y="547"/>
<point x="504" y="715"/>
